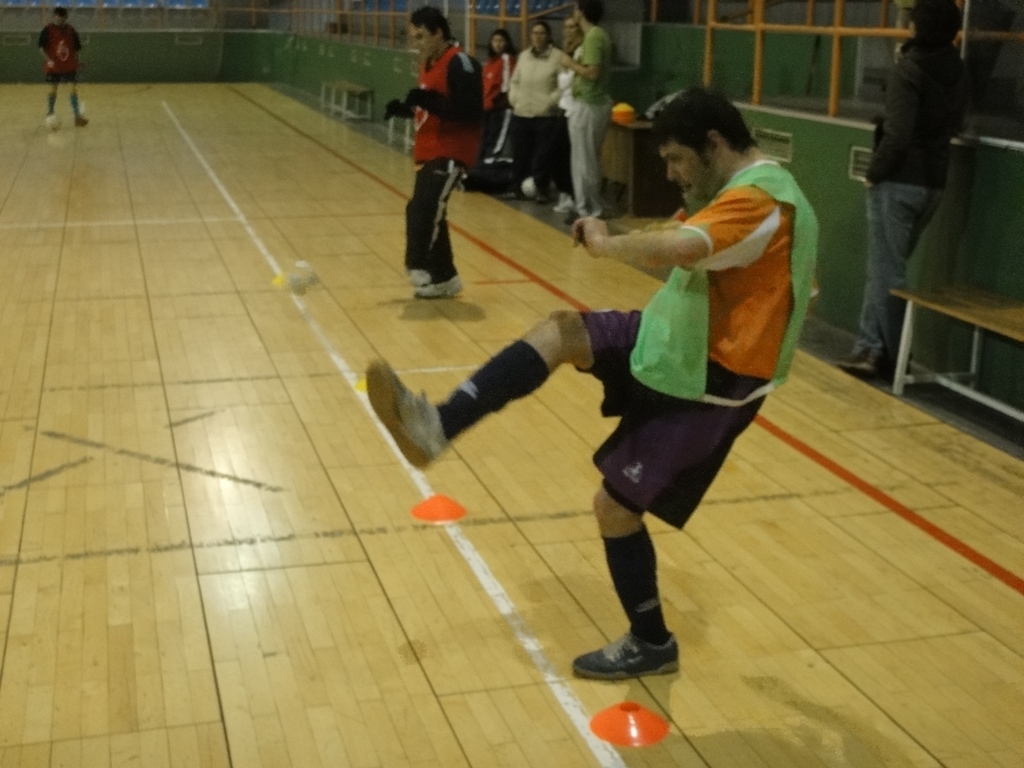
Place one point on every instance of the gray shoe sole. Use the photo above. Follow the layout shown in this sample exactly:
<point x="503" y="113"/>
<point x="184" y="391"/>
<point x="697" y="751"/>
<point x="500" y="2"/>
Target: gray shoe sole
<point x="664" y="669"/>
<point x="382" y="389"/>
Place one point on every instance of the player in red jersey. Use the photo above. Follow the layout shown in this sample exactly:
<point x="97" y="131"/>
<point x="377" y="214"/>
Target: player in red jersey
<point x="59" y="43"/>
<point x="447" y="107"/>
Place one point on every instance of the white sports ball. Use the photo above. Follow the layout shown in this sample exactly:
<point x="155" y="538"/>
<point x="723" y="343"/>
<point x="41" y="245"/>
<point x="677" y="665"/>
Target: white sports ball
<point x="52" y="122"/>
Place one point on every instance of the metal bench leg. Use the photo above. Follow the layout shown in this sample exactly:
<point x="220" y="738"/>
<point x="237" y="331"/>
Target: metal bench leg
<point x="975" y="355"/>
<point x="903" y="356"/>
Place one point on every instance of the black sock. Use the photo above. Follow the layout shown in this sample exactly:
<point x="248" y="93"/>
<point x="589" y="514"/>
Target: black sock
<point x="634" y="569"/>
<point x="514" y="372"/>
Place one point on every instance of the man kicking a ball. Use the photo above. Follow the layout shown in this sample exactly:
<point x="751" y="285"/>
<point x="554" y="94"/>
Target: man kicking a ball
<point x="59" y="43"/>
<point x="686" y="375"/>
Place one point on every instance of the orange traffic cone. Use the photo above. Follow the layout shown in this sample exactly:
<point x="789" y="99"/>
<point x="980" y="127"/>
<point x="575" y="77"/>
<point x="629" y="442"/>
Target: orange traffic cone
<point x="438" y="509"/>
<point x="629" y="725"/>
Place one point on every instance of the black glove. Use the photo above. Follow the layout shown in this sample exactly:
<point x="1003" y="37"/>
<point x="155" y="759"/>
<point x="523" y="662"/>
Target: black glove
<point x="397" y="108"/>
<point x="422" y="98"/>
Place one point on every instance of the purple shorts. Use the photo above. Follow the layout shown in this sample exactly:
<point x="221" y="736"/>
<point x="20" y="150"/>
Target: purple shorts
<point x="665" y="452"/>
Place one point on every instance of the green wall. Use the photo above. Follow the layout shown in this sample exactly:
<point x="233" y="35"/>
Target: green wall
<point x="991" y="256"/>
<point x="304" y="63"/>
<point x="123" y="56"/>
<point x="672" y="57"/>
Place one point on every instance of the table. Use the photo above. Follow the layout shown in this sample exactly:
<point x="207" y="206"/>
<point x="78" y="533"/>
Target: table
<point x="630" y="157"/>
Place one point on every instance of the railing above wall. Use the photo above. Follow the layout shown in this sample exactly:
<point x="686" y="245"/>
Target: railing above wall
<point x="752" y="19"/>
<point x="86" y="15"/>
<point x="525" y="12"/>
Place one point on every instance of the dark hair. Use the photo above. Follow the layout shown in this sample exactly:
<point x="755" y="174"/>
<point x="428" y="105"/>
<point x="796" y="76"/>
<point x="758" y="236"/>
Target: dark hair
<point x="431" y="19"/>
<point x="510" y="47"/>
<point x="936" y="22"/>
<point x="540" y="23"/>
<point x="692" y="114"/>
<point x="592" y="10"/>
<point x="61" y="11"/>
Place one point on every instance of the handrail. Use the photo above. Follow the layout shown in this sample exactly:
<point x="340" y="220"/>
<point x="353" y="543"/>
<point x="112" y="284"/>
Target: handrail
<point x="749" y="10"/>
<point x="525" y="17"/>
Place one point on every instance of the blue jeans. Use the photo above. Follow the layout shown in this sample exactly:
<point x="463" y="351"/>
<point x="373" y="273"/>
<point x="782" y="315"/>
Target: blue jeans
<point x="897" y="214"/>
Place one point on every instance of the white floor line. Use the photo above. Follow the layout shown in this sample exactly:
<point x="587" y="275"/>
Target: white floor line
<point x="438" y="369"/>
<point x="566" y="697"/>
<point x="121" y="223"/>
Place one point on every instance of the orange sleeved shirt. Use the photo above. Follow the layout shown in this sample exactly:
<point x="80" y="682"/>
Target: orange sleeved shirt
<point x="749" y="237"/>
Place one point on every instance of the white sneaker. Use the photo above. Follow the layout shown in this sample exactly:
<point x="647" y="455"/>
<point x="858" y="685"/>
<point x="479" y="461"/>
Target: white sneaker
<point x="412" y="420"/>
<point x="445" y="290"/>
<point x="529" y="188"/>
<point x="565" y="203"/>
<point x="52" y="122"/>
<point x="418" y="277"/>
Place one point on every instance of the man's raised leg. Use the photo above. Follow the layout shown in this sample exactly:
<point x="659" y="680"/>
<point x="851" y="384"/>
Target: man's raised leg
<point x="423" y="431"/>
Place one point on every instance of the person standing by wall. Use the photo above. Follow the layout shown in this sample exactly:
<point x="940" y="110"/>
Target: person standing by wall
<point x="534" y="97"/>
<point x="59" y="43"/>
<point x="589" y="119"/>
<point x="497" y="77"/>
<point x="925" y="104"/>
<point x="447" y="107"/>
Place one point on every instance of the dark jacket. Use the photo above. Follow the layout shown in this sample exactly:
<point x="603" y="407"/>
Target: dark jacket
<point x="925" y="104"/>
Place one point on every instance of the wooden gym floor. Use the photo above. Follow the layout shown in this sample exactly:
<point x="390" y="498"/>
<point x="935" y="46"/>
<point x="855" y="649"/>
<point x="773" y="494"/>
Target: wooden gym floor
<point x="206" y="551"/>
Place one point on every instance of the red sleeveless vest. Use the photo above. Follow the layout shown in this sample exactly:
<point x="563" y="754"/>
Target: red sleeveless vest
<point x="444" y="138"/>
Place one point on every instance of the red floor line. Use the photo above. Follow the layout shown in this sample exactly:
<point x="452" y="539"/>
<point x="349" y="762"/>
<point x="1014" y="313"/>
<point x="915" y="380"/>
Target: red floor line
<point x="992" y="568"/>
<point x="995" y="570"/>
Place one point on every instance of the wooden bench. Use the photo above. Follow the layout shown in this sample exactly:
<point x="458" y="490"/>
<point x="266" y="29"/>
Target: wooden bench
<point x="985" y="311"/>
<point x="355" y="103"/>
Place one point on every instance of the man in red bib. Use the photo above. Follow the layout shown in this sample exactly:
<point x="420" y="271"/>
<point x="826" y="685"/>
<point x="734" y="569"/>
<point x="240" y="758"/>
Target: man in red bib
<point x="59" y="44"/>
<point x="447" y="108"/>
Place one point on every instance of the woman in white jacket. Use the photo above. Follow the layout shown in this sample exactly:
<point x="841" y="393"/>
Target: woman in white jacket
<point x="534" y="95"/>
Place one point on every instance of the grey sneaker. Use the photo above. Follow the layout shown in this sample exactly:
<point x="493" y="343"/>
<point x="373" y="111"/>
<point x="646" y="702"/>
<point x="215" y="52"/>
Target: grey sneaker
<point x="418" y="277"/>
<point x="446" y="290"/>
<point x="412" y="420"/>
<point x="565" y="204"/>
<point x="628" y="656"/>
